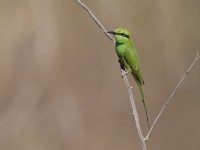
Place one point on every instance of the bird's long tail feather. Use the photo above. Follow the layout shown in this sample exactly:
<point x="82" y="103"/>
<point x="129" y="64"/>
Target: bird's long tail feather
<point x="142" y="94"/>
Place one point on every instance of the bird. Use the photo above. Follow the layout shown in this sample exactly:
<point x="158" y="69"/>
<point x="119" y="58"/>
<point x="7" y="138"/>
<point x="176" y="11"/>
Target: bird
<point x="126" y="52"/>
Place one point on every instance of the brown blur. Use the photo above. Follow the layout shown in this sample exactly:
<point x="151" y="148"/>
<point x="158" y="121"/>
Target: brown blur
<point x="60" y="82"/>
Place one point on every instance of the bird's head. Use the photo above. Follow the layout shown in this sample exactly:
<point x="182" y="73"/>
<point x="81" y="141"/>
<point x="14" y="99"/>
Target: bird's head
<point x="121" y="35"/>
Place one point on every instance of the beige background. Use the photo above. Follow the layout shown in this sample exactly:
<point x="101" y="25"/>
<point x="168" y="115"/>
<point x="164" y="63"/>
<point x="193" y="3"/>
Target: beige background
<point x="60" y="83"/>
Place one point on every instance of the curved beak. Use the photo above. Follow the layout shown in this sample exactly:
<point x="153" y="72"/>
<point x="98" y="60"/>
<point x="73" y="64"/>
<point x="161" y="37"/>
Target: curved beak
<point x="112" y="32"/>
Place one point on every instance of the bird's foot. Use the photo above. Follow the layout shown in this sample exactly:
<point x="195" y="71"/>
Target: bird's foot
<point x="124" y="73"/>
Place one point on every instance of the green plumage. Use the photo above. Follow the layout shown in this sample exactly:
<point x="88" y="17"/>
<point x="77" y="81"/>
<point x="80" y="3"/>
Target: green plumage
<point x="127" y="54"/>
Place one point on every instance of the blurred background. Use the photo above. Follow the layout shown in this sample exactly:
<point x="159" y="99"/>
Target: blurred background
<point x="60" y="82"/>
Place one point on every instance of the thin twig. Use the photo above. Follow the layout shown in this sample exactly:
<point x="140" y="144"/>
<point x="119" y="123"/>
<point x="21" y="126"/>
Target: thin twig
<point x="131" y="98"/>
<point x="95" y="19"/>
<point x="170" y="97"/>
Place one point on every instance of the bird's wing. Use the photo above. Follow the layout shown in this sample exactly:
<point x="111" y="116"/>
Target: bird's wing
<point x="132" y="60"/>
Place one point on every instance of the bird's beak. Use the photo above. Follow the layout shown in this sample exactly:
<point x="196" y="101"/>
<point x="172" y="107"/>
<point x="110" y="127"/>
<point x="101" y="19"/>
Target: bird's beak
<point x="112" y="32"/>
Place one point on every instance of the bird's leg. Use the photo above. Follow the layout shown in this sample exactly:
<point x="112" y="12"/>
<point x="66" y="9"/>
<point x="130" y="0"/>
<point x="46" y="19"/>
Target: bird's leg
<point x="126" y="72"/>
<point x="125" y="67"/>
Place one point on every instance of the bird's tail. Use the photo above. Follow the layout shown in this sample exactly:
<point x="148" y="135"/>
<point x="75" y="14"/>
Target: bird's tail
<point x="142" y="94"/>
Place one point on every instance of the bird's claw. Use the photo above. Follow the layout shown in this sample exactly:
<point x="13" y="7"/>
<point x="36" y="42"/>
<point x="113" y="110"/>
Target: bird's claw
<point x="125" y="73"/>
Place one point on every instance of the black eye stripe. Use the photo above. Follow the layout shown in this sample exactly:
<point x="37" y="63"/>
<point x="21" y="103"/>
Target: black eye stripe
<point x="123" y="34"/>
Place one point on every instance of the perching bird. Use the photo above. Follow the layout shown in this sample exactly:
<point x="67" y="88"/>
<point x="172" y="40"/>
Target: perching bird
<point x="127" y="54"/>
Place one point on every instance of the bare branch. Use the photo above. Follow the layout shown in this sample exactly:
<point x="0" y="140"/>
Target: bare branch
<point x="95" y="19"/>
<point x="134" y="109"/>
<point x="170" y="97"/>
<point x="131" y="98"/>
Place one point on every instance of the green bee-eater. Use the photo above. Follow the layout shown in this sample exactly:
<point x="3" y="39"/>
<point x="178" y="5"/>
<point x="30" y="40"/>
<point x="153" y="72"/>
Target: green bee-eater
<point x="127" y="54"/>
